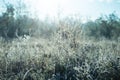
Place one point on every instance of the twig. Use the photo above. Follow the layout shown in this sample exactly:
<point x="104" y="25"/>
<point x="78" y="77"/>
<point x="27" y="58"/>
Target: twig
<point x="27" y="73"/>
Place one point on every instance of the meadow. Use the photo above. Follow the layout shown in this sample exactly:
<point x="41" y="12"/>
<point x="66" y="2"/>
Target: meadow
<point x="63" y="56"/>
<point x="63" y="49"/>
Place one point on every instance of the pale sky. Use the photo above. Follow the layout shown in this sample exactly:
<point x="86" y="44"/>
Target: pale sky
<point x="85" y="8"/>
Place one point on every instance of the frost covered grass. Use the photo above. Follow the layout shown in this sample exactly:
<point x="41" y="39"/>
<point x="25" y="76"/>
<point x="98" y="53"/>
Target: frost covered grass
<point x="65" y="56"/>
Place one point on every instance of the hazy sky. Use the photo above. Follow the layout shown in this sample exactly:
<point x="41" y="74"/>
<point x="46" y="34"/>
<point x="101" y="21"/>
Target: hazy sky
<point x="89" y="8"/>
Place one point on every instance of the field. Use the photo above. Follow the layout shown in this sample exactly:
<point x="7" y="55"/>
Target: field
<point x="71" y="47"/>
<point x="63" y="56"/>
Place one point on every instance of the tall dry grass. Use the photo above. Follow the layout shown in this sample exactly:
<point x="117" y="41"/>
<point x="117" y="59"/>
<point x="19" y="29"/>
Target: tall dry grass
<point x="66" y="55"/>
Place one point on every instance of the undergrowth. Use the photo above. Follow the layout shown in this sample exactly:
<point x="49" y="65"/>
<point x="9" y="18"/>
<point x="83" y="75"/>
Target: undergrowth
<point x="65" y="56"/>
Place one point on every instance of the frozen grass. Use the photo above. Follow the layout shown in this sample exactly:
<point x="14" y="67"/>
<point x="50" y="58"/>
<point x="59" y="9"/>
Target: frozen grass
<point x="65" y="56"/>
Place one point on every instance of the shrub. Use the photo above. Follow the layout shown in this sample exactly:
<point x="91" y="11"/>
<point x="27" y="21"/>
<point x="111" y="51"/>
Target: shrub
<point x="105" y="26"/>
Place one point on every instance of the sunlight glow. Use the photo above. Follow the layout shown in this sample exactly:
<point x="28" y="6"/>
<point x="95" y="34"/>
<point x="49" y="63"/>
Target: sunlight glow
<point x="52" y="8"/>
<point x="86" y="8"/>
<point x="45" y="8"/>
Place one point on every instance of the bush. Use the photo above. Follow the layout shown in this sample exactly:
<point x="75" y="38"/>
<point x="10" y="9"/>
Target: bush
<point x="106" y="26"/>
<point x="12" y="26"/>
